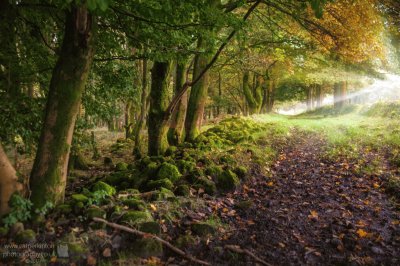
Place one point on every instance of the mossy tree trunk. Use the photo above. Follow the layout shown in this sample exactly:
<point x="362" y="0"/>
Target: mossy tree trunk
<point x="49" y="173"/>
<point x="143" y="111"/>
<point x="159" y="101"/>
<point x="8" y="181"/>
<point x="253" y="96"/>
<point x="270" y="95"/>
<point x="318" y="95"/>
<point x="176" y="129"/>
<point x="197" y="98"/>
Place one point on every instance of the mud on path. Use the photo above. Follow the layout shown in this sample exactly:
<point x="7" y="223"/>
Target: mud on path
<point x="311" y="211"/>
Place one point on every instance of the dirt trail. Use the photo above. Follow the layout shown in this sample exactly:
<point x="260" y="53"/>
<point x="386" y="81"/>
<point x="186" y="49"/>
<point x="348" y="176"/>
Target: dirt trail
<point x="311" y="211"/>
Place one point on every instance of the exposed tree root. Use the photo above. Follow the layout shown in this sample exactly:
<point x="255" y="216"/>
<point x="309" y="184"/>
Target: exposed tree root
<point x="239" y="250"/>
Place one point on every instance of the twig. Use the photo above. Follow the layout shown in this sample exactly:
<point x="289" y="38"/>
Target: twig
<point x="147" y="235"/>
<point x="239" y="250"/>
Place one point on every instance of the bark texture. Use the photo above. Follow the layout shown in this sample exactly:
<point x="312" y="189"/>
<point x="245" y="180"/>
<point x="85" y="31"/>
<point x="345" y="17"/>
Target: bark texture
<point x="49" y="173"/>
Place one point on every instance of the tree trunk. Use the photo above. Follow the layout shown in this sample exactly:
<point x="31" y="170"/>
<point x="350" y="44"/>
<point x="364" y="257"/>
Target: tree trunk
<point x="197" y="98"/>
<point x="176" y="130"/>
<point x="339" y="94"/>
<point x="219" y="94"/>
<point x="49" y="173"/>
<point x="8" y="182"/>
<point x="253" y="96"/>
<point x="143" y="110"/>
<point x="127" y="115"/>
<point x="318" y="94"/>
<point x="270" y="95"/>
<point x="159" y="101"/>
<point x="309" y="98"/>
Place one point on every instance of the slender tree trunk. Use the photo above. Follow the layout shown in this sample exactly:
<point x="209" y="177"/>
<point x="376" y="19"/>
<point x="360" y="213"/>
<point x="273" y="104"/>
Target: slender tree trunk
<point x="197" y="98"/>
<point x="159" y="100"/>
<point x="318" y="93"/>
<point x="143" y="110"/>
<point x="337" y="95"/>
<point x="309" y="98"/>
<point x="8" y="181"/>
<point x="271" y="96"/>
<point x="176" y="130"/>
<point x="49" y="173"/>
<point x="219" y="93"/>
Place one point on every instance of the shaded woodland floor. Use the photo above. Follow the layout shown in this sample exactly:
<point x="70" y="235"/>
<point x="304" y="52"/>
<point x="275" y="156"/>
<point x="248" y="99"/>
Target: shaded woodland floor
<point x="313" y="211"/>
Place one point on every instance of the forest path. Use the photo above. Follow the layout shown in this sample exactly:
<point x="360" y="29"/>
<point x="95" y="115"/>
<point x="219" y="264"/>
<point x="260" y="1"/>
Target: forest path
<point x="313" y="211"/>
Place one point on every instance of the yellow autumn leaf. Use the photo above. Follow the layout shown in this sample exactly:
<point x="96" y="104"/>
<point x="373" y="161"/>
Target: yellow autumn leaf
<point x="376" y="185"/>
<point x="153" y="207"/>
<point x="361" y="233"/>
<point x="270" y="184"/>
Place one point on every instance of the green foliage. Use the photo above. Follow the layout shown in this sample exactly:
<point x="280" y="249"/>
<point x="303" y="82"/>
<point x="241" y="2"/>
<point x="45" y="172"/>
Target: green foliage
<point x="20" y="210"/>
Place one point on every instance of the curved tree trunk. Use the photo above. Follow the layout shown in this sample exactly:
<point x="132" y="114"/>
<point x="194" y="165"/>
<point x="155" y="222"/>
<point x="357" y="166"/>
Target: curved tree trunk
<point x="175" y="133"/>
<point x="49" y="173"/>
<point x="197" y="98"/>
<point x="159" y="101"/>
<point x="8" y="181"/>
<point x="253" y="96"/>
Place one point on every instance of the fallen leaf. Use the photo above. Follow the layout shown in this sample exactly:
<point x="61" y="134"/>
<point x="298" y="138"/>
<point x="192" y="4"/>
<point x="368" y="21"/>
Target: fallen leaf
<point x="361" y="233"/>
<point x="91" y="260"/>
<point x="107" y="252"/>
<point x="153" y="207"/>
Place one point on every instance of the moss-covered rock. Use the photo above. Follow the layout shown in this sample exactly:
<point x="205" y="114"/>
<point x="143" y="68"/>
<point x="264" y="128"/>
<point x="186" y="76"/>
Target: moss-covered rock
<point x="137" y="217"/>
<point x="164" y="194"/>
<point x="25" y="236"/>
<point x="240" y="171"/>
<point x="109" y="190"/>
<point x="3" y="231"/>
<point x="171" y="150"/>
<point x="135" y="204"/>
<point x="115" y="179"/>
<point x="162" y="183"/>
<point x="77" y="250"/>
<point x="214" y="171"/>
<point x="121" y="166"/>
<point x="185" y="240"/>
<point x="79" y="198"/>
<point x="227" y="181"/>
<point x="185" y="166"/>
<point x="208" y="185"/>
<point x="169" y="171"/>
<point x="147" y="247"/>
<point x="64" y="208"/>
<point x="182" y="190"/>
<point x="93" y="212"/>
<point x="203" y="229"/>
<point x="150" y="227"/>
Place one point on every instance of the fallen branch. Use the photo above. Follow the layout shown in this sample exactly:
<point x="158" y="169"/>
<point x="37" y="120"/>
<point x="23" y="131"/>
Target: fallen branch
<point x="147" y="235"/>
<point x="239" y="250"/>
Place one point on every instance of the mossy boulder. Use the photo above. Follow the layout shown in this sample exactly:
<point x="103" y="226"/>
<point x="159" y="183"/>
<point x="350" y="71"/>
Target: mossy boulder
<point x="208" y="185"/>
<point x="77" y="250"/>
<point x="227" y="181"/>
<point x="150" y="227"/>
<point x="78" y="207"/>
<point x="185" y="166"/>
<point x="171" y="150"/>
<point x="135" y="204"/>
<point x="169" y="171"/>
<point x="151" y="169"/>
<point x="147" y="247"/>
<point x="115" y="179"/>
<point x="161" y="183"/>
<point x="240" y="171"/>
<point x="79" y="198"/>
<point x="164" y="194"/>
<point x="25" y="236"/>
<point x="121" y="166"/>
<point x="182" y="190"/>
<point x="109" y="190"/>
<point x="137" y="217"/>
<point x="203" y="229"/>
<point x="93" y="212"/>
<point x="185" y="240"/>
<point x="214" y="171"/>
<point x="64" y="208"/>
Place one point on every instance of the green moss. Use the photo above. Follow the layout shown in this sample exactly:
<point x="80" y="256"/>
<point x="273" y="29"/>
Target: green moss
<point x="169" y="171"/>
<point x="151" y="169"/>
<point x="79" y="198"/>
<point x="240" y="171"/>
<point x="182" y="190"/>
<point x="77" y="250"/>
<point x="207" y="184"/>
<point x="164" y="194"/>
<point x="150" y="227"/>
<point x="147" y="247"/>
<point x="121" y="166"/>
<point x="64" y="208"/>
<point x="78" y="207"/>
<point x="104" y="187"/>
<point x="137" y="217"/>
<point x="134" y="204"/>
<point x="184" y="241"/>
<point x="95" y="212"/>
<point x="171" y="150"/>
<point x="214" y="171"/>
<point x="162" y="183"/>
<point x="203" y="229"/>
<point x="185" y="166"/>
<point x="25" y="236"/>
<point x="227" y="181"/>
<point x="3" y="231"/>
